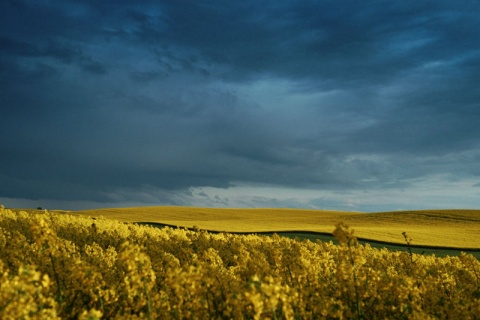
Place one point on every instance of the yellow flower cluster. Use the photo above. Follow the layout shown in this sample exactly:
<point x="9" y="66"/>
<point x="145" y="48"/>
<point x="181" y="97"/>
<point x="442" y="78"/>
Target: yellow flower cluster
<point x="58" y="266"/>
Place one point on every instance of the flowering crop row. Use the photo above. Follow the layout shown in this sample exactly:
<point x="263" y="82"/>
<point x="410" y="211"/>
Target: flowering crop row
<point x="56" y="266"/>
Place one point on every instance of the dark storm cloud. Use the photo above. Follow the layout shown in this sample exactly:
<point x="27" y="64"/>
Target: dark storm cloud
<point x="350" y="42"/>
<point x="108" y="102"/>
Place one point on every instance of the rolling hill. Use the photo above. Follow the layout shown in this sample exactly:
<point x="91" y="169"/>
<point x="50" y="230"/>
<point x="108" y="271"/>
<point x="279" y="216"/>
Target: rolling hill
<point x="442" y="228"/>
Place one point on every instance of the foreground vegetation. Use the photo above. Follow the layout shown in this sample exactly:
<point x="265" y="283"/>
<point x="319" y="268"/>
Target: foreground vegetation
<point x="63" y="266"/>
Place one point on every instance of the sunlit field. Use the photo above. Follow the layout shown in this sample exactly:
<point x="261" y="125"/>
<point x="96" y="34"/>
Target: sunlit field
<point x="55" y="265"/>
<point x="443" y="228"/>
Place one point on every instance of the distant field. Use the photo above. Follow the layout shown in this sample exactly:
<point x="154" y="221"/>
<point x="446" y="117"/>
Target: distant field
<point x="440" y="228"/>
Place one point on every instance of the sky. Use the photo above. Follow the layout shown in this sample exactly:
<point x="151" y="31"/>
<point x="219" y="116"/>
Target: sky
<point x="342" y="105"/>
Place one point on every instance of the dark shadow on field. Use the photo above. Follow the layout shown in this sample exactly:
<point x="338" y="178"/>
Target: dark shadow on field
<point x="326" y="237"/>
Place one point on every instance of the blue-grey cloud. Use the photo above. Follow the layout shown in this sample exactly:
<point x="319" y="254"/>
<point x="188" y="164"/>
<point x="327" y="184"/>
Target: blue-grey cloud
<point x="108" y="103"/>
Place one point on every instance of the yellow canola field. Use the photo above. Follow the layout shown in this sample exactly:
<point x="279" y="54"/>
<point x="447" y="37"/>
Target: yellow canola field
<point x="443" y="228"/>
<point x="54" y="265"/>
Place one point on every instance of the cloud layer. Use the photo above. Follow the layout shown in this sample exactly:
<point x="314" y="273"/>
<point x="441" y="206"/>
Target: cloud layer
<point x="225" y="103"/>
